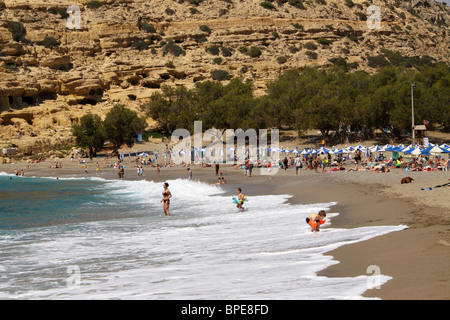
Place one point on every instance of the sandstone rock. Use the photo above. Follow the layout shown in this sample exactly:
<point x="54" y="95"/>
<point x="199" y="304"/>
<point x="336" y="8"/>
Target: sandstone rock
<point x="56" y="62"/>
<point x="96" y="66"/>
<point x="12" y="49"/>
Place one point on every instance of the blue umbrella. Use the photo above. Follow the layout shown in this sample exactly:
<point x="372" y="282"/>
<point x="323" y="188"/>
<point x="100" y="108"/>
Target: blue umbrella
<point x="436" y="149"/>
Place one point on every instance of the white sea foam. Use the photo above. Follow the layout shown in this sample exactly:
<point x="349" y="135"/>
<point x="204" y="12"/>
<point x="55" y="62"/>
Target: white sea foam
<point x="205" y="250"/>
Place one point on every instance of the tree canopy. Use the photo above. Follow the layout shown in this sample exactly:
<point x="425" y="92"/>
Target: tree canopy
<point x="334" y="101"/>
<point x="121" y="126"/>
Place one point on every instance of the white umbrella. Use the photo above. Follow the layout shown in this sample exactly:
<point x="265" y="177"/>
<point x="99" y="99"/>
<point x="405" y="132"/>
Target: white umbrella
<point x="323" y="149"/>
<point x="304" y="151"/>
<point x="436" y="149"/>
<point x="415" y="151"/>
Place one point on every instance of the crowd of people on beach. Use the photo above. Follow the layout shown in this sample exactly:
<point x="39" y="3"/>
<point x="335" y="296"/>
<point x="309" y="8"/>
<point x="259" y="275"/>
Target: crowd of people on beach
<point x="322" y="163"/>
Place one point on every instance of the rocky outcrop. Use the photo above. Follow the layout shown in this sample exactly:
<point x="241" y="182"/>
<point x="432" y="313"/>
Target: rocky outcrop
<point x="125" y="50"/>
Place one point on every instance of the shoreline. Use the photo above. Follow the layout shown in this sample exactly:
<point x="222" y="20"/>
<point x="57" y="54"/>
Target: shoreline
<point x="416" y="258"/>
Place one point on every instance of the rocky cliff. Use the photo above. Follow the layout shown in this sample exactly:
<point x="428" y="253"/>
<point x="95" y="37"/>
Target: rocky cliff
<point x="62" y="59"/>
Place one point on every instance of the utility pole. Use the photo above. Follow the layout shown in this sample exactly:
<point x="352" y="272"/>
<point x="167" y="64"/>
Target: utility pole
<point x="413" y="85"/>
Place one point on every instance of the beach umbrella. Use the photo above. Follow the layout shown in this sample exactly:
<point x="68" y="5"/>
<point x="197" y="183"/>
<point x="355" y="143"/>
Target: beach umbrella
<point x="336" y="151"/>
<point x="143" y="154"/>
<point x="304" y="151"/>
<point x="375" y="149"/>
<point x="323" y="149"/>
<point x="436" y="149"/>
<point x="417" y="151"/>
<point x="384" y="148"/>
<point x="122" y="155"/>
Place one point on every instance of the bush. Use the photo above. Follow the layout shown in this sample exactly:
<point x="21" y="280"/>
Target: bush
<point x="377" y="62"/>
<point x="297" y="4"/>
<point x="148" y="27"/>
<point x="362" y="16"/>
<point x="267" y="5"/>
<point x="140" y="45"/>
<point x="214" y="50"/>
<point x="194" y="11"/>
<point x="50" y="42"/>
<point x="195" y="2"/>
<point x="293" y="49"/>
<point x="205" y="28"/>
<point x="174" y="49"/>
<point x="243" y="49"/>
<point x="349" y="3"/>
<point x="200" y="39"/>
<point x="324" y="41"/>
<point x="222" y="12"/>
<point x="340" y="62"/>
<point x="254" y="52"/>
<point x="217" y="60"/>
<point x="298" y="26"/>
<point x="310" y="45"/>
<point x="220" y="75"/>
<point x="312" y="55"/>
<point x="94" y="4"/>
<point x="17" y="30"/>
<point x="170" y="64"/>
<point x="63" y="13"/>
<point x="169" y="12"/>
<point x="226" y="52"/>
<point x="282" y="59"/>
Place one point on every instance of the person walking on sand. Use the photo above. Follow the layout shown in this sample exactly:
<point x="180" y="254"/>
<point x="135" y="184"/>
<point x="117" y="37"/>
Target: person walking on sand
<point x="357" y="159"/>
<point x="217" y="168"/>
<point x="158" y="169"/>
<point x="166" y="198"/>
<point x="189" y="173"/>
<point x="323" y="158"/>
<point x="298" y="165"/>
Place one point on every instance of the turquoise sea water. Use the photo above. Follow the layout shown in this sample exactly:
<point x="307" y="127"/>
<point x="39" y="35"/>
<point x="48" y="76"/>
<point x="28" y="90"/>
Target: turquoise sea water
<point x="36" y="202"/>
<point x="98" y="239"/>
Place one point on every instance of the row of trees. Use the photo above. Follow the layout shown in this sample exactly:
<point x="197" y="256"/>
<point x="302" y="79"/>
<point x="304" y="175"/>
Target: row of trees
<point x="332" y="101"/>
<point x="121" y="126"/>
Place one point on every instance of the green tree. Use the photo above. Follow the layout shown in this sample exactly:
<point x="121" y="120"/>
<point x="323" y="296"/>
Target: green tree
<point x="121" y="126"/>
<point x="89" y="133"/>
<point x="172" y="108"/>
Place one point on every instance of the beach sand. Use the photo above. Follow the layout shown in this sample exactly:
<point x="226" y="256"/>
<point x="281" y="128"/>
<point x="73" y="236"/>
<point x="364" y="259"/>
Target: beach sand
<point x="417" y="258"/>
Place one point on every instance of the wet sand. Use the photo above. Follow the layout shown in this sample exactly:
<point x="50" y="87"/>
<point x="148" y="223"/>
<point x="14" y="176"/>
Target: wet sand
<point x="417" y="258"/>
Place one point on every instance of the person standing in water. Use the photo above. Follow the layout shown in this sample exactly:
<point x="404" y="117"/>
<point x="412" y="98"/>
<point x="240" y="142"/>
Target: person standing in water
<point x="240" y="198"/>
<point x="166" y="198"/>
<point x="315" y="220"/>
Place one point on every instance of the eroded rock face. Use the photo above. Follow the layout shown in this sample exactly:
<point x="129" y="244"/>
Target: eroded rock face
<point x="125" y="50"/>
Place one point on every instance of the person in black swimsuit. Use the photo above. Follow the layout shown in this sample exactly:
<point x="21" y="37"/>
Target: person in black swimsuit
<point x="166" y="199"/>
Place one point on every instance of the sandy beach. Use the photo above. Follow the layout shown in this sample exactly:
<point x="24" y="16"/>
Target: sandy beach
<point x="417" y="258"/>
